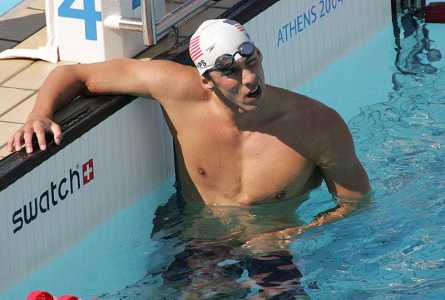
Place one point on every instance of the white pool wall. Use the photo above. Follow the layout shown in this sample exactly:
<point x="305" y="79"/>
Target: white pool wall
<point x="112" y="256"/>
<point x="132" y="153"/>
<point x="291" y="61"/>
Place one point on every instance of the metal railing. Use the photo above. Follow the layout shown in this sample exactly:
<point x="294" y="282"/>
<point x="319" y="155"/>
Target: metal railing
<point x="408" y="5"/>
<point x="153" y="30"/>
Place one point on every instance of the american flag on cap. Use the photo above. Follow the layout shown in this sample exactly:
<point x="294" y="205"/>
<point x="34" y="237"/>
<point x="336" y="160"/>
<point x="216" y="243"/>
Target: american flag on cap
<point x="237" y="25"/>
<point x="195" y="48"/>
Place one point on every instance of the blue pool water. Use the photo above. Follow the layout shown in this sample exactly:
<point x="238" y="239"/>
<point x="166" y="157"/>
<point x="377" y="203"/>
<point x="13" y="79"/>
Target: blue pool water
<point x="114" y="255"/>
<point x="393" y="249"/>
<point x="6" y="5"/>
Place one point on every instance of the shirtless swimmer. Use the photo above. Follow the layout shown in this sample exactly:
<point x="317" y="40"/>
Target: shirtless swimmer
<point x="242" y="142"/>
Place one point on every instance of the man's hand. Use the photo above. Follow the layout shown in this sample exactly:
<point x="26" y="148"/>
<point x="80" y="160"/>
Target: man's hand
<point x="273" y="241"/>
<point x="38" y="125"/>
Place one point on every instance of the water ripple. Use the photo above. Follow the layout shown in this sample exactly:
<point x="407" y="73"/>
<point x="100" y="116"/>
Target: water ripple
<point x="395" y="249"/>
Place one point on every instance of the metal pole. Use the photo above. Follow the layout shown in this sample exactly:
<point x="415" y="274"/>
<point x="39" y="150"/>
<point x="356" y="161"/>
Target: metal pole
<point x="148" y="30"/>
<point x="186" y="10"/>
<point x="152" y="31"/>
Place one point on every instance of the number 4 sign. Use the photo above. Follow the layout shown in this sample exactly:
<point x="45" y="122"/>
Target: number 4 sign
<point x="88" y="14"/>
<point x="81" y="36"/>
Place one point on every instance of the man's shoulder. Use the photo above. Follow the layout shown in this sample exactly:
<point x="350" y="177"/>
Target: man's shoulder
<point x="303" y="109"/>
<point x="323" y="117"/>
<point x="291" y="100"/>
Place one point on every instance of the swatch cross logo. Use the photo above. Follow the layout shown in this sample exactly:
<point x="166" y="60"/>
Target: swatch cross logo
<point x="56" y="192"/>
<point x="88" y="171"/>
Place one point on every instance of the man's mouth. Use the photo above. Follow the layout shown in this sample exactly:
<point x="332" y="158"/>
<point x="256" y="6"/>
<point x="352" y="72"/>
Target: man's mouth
<point x="255" y="93"/>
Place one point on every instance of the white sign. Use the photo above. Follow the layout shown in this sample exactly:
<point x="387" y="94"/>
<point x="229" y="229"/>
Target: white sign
<point x="79" y="31"/>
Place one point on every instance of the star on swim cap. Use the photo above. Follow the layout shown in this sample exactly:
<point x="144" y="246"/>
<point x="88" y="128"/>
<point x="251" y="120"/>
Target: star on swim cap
<point x="214" y="38"/>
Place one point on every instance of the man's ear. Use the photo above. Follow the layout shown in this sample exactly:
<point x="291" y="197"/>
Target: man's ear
<point x="260" y="54"/>
<point x="207" y="82"/>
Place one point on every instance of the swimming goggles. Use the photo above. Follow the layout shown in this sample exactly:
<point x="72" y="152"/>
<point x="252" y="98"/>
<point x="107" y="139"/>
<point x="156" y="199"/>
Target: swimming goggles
<point x="226" y="61"/>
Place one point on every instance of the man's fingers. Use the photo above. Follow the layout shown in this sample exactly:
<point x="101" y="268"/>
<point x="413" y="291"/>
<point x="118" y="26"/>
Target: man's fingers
<point x="27" y="136"/>
<point x="40" y="133"/>
<point x="11" y="144"/>
<point x="37" y="127"/>
<point x="57" y="132"/>
<point x="17" y="141"/>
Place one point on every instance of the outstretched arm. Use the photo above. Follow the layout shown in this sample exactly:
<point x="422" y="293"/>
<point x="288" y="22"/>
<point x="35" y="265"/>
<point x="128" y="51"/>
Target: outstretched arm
<point x="162" y="80"/>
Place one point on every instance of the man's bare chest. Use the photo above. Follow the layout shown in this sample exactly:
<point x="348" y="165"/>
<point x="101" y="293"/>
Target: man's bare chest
<point x="232" y="167"/>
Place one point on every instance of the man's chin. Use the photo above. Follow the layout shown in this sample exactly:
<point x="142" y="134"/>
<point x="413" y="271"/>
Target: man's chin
<point x="252" y="105"/>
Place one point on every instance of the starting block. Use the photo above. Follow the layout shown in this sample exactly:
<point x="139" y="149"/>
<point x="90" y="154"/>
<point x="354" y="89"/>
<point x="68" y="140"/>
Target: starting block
<point x="77" y="28"/>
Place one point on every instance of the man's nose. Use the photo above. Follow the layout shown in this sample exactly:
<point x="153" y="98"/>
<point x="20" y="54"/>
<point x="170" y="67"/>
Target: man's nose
<point x="249" y="77"/>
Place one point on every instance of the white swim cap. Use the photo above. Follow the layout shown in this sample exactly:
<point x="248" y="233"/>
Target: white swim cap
<point x="214" y="38"/>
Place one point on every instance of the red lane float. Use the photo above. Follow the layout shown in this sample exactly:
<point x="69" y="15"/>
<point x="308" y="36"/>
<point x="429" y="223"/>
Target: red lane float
<point x="435" y="13"/>
<point x="44" y="295"/>
<point x="40" y="295"/>
<point x="68" y="297"/>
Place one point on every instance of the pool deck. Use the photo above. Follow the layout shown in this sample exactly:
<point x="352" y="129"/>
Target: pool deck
<point x="20" y="79"/>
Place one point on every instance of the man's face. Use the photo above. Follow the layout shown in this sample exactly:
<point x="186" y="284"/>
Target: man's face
<point x="242" y="83"/>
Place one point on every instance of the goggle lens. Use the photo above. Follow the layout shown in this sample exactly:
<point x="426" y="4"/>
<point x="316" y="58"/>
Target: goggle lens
<point x="226" y="61"/>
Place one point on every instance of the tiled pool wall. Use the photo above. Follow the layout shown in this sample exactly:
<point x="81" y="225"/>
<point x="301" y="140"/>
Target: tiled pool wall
<point x="130" y="153"/>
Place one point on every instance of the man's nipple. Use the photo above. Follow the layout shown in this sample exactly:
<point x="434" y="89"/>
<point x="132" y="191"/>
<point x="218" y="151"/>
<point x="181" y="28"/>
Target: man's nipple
<point x="202" y="172"/>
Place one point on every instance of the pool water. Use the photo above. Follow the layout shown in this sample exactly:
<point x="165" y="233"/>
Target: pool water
<point x="390" y="250"/>
<point x="6" y="5"/>
<point x="395" y="248"/>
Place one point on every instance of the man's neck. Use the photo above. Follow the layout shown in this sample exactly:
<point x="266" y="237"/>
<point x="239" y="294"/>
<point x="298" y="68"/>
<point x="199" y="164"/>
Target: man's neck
<point x="248" y="119"/>
<point x="244" y="119"/>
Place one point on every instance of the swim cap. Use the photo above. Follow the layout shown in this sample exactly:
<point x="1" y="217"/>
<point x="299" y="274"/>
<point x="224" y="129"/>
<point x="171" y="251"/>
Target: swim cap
<point x="214" y="38"/>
